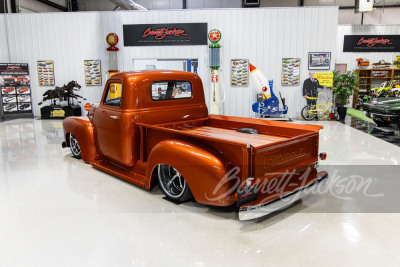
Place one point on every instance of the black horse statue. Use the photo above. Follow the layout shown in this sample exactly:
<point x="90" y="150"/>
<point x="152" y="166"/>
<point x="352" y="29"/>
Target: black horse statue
<point x="62" y="93"/>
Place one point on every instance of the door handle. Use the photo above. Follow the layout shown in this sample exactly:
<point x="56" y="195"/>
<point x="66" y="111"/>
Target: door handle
<point x="114" y="117"/>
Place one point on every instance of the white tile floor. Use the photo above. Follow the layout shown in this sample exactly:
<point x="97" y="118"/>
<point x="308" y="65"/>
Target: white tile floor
<point x="58" y="211"/>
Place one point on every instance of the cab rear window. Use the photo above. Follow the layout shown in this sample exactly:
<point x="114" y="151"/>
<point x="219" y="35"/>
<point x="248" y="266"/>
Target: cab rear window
<point x="170" y="90"/>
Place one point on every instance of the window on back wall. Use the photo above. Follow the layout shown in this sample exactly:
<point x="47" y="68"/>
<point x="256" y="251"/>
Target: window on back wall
<point x="170" y="90"/>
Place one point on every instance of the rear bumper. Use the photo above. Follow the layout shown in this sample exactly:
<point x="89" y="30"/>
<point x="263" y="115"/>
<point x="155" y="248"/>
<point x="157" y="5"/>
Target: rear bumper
<point x="256" y="211"/>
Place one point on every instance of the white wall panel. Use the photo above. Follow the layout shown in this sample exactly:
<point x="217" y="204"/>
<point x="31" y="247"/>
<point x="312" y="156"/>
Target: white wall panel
<point x="264" y="36"/>
<point x="3" y="40"/>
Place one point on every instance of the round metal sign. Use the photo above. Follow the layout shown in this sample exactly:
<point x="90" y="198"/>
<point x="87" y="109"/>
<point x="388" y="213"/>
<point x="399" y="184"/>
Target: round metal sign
<point x="112" y="39"/>
<point x="214" y="35"/>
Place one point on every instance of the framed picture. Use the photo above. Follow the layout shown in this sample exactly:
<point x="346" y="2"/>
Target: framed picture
<point x="45" y="72"/>
<point x="341" y="67"/>
<point x="290" y="71"/>
<point x="92" y="72"/>
<point x="319" y="60"/>
<point x="239" y="72"/>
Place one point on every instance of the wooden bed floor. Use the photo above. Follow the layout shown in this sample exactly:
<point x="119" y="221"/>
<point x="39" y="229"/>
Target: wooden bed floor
<point x="255" y="140"/>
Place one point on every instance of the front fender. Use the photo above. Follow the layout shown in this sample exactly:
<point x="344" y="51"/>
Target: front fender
<point x="82" y="129"/>
<point x="204" y="171"/>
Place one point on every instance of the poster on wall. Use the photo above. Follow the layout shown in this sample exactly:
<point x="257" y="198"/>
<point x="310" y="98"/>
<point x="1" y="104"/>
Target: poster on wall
<point x="45" y="72"/>
<point x="290" y="71"/>
<point x="165" y="34"/>
<point x="15" y="88"/>
<point x="239" y="72"/>
<point x="371" y="43"/>
<point x="92" y="72"/>
<point x="319" y="61"/>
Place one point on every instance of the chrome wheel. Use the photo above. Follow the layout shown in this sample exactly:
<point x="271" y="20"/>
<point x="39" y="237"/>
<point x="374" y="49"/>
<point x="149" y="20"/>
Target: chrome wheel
<point x="74" y="146"/>
<point x="172" y="183"/>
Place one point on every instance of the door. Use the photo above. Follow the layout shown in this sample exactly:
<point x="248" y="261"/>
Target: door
<point x="107" y="121"/>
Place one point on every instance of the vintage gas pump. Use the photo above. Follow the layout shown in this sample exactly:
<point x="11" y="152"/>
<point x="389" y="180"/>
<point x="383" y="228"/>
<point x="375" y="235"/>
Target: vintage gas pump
<point x="214" y="36"/>
<point x="112" y="40"/>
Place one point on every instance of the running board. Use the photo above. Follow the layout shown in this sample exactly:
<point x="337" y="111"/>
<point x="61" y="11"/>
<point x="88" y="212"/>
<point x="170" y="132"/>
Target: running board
<point x="123" y="173"/>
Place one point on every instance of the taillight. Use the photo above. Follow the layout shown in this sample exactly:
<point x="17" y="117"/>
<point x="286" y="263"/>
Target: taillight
<point x="322" y="156"/>
<point x="250" y="182"/>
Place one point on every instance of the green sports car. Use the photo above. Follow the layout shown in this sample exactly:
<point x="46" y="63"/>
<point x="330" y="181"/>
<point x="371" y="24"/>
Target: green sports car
<point x="383" y="110"/>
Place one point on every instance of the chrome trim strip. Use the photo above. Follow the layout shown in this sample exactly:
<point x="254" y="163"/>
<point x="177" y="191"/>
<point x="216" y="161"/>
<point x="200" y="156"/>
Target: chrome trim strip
<point x="384" y="115"/>
<point x="253" y="212"/>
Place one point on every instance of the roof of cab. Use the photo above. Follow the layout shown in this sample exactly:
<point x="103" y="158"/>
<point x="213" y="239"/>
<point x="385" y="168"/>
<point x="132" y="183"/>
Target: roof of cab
<point x="173" y="74"/>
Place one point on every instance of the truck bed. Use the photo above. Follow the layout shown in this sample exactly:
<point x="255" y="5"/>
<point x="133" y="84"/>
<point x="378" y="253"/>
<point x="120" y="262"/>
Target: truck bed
<point x="224" y="129"/>
<point x="255" y="140"/>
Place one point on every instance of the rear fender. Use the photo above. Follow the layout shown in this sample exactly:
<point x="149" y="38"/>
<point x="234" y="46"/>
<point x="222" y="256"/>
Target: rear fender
<point x="82" y="129"/>
<point x="205" y="172"/>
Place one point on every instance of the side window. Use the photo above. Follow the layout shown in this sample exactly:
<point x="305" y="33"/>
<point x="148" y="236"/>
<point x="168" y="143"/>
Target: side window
<point x="113" y="95"/>
<point x="169" y="90"/>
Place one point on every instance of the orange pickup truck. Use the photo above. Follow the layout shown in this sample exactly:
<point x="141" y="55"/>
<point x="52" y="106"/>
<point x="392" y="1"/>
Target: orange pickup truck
<point x="153" y="127"/>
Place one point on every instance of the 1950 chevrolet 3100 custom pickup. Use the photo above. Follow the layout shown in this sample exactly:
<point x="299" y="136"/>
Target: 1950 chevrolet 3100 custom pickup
<point x="153" y="127"/>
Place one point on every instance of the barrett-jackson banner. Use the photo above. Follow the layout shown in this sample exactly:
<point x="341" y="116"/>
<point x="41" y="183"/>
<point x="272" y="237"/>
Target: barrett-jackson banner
<point x="371" y="43"/>
<point x="14" y="69"/>
<point x="165" y="34"/>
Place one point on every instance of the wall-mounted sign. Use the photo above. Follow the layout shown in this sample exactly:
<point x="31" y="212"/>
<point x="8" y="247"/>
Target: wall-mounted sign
<point x="324" y="78"/>
<point x="290" y="71"/>
<point x="319" y="60"/>
<point x="371" y="43"/>
<point x="92" y="72"/>
<point x="165" y="34"/>
<point x="14" y="69"/>
<point x="15" y="88"/>
<point x="45" y="72"/>
<point x="239" y="72"/>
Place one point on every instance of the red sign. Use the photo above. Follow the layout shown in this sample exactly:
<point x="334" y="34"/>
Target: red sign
<point x="214" y="78"/>
<point x="214" y="35"/>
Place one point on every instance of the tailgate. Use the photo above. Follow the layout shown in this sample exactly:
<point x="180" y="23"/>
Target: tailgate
<point x="288" y="155"/>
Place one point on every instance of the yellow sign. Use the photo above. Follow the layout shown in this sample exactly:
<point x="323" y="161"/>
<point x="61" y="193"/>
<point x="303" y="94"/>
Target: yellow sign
<point x="57" y="113"/>
<point x="324" y="78"/>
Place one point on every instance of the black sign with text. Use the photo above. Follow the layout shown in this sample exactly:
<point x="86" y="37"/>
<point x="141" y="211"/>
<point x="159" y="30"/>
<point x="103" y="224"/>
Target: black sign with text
<point x="165" y="34"/>
<point x="14" y="69"/>
<point x="371" y="43"/>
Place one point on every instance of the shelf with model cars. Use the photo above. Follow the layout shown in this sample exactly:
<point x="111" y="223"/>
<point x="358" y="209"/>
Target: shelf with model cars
<point x="377" y="78"/>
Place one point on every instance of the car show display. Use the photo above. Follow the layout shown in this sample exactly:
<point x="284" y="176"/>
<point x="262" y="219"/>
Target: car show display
<point x="163" y="144"/>
<point x="290" y="71"/>
<point x="15" y="88"/>
<point x="45" y="72"/>
<point x="239" y="72"/>
<point x="92" y="72"/>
